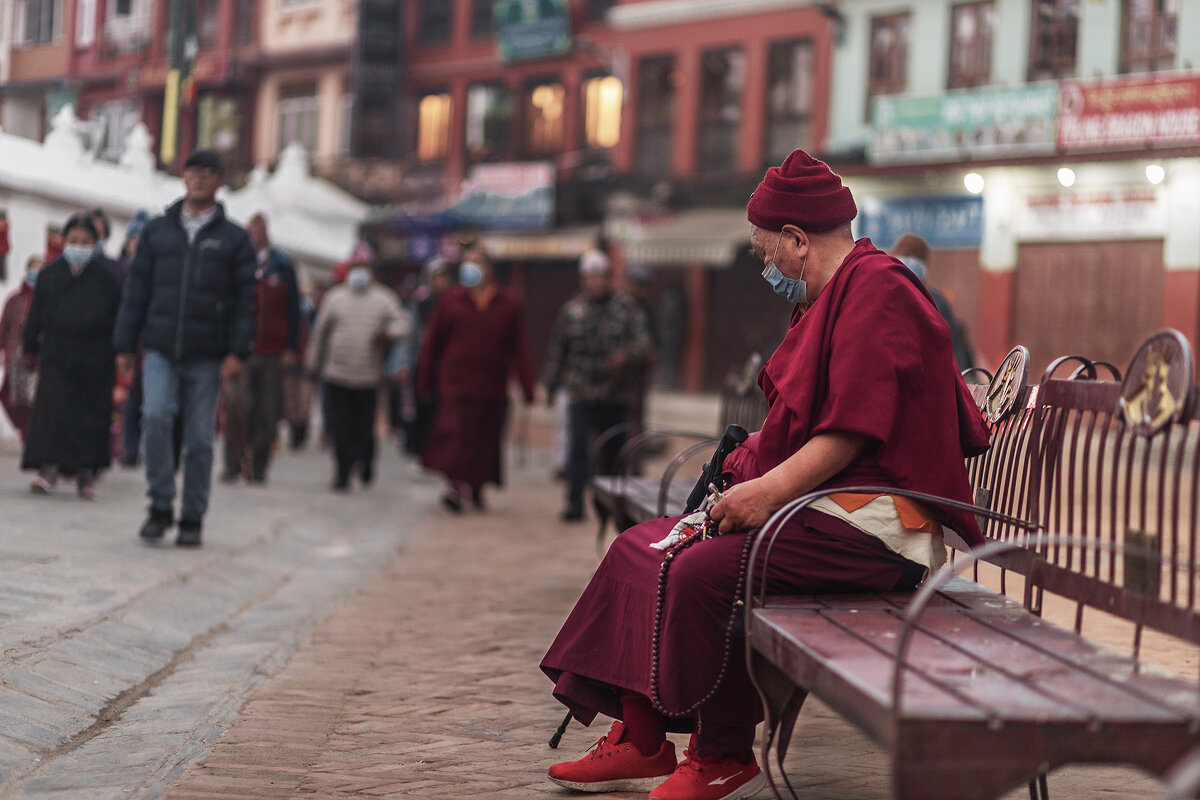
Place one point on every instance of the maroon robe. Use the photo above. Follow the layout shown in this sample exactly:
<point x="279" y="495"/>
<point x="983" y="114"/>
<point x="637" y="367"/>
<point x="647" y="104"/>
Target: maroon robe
<point x="466" y="358"/>
<point x="12" y="322"/>
<point x="871" y="356"/>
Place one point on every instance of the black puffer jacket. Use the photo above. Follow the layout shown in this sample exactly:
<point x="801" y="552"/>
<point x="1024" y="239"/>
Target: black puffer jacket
<point x="190" y="301"/>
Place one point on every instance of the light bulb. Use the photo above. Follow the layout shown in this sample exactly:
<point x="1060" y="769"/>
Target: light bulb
<point x="1066" y="176"/>
<point x="1155" y="173"/>
<point x="974" y="182"/>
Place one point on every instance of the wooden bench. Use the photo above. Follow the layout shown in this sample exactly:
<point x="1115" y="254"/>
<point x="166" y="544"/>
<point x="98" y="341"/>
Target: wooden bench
<point x="628" y="499"/>
<point x="1090" y="494"/>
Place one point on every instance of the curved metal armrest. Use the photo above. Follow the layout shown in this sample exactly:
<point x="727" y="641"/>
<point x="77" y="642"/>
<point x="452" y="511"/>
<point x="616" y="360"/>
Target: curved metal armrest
<point x="664" y="483"/>
<point x="606" y="436"/>
<point x="640" y="442"/>
<point x="769" y="532"/>
<point x="972" y="371"/>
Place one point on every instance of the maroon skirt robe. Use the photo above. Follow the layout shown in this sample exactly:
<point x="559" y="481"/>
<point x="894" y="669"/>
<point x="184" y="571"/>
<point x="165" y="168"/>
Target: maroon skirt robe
<point x="871" y="356"/>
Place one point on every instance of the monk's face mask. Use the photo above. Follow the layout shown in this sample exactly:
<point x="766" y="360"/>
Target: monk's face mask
<point x="794" y="290"/>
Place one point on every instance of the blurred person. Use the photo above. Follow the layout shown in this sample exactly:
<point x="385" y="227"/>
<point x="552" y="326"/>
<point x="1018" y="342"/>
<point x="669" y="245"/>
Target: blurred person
<point x="297" y="391"/>
<point x="189" y="300"/>
<point x="475" y="343"/>
<point x="5" y="245"/>
<point x="16" y="392"/>
<point x="915" y="253"/>
<point x="862" y="390"/>
<point x="131" y="409"/>
<point x="599" y="346"/>
<point x="356" y="325"/>
<point x="437" y="276"/>
<point x="103" y="227"/>
<point x="68" y="334"/>
<point x="254" y="403"/>
<point x="54" y="242"/>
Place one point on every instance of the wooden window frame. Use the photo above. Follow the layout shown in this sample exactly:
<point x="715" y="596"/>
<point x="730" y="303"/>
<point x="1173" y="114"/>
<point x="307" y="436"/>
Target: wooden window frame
<point x="894" y="79"/>
<point x="1161" y="24"/>
<point x="980" y="73"/>
<point x="1053" y="42"/>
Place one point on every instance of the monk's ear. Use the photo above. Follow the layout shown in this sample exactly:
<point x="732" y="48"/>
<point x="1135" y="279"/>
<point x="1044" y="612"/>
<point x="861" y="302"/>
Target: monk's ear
<point x="798" y="236"/>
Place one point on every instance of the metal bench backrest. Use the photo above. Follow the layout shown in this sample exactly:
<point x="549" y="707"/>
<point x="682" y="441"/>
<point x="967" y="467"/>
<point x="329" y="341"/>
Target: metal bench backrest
<point x="741" y="401"/>
<point x="1113" y="468"/>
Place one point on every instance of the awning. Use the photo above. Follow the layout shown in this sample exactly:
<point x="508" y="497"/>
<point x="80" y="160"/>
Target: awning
<point x="709" y="236"/>
<point x="561" y="244"/>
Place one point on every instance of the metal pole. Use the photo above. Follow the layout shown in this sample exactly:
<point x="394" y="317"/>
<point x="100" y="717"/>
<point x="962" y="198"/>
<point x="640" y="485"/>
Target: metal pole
<point x="168" y="141"/>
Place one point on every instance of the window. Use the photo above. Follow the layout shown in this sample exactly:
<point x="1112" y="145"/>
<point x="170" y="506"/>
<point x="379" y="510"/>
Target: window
<point x="889" y="56"/>
<point x="1148" y="35"/>
<point x="657" y="82"/>
<point x="433" y="25"/>
<point x="206" y="24"/>
<point x="345" y="124"/>
<point x="245" y="22"/>
<point x="723" y="76"/>
<point x="433" y="128"/>
<point x="85" y="23"/>
<point x="39" y="21"/>
<point x="127" y="28"/>
<point x="596" y="10"/>
<point x="1055" y="33"/>
<point x="602" y="100"/>
<point x="970" y="45"/>
<point x="115" y="119"/>
<point x="544" y="119"/>
<point x="298" y="113"/>
<point x="789" y="98"/>
<point x="490" y="113"/>
<point x="481" y="18"/>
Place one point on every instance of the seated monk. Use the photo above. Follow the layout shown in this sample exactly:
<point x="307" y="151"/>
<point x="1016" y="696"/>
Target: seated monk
<point x="863" y="391"/>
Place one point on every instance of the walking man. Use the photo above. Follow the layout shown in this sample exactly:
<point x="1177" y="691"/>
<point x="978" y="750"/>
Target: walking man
<point x="598" y="351"/>
<point x="190" y="297"/>
<point x="254" y="404"/>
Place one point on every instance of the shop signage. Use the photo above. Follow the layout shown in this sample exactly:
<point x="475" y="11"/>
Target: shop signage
<point x="1135" y="112"/>
<point x="506" y="197"/>
<point x="528" y="29"/>
<point x="1132" y="213"/>
<point x="989" y="123"/>
<point x="378" y="76"/>
<point x="944" y="222"/>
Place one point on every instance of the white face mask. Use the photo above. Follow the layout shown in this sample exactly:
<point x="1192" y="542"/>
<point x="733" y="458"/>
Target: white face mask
<point x="358" y="278"/>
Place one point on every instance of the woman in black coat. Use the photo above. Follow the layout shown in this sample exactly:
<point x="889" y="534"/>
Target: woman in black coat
<point x="69" y="333"/>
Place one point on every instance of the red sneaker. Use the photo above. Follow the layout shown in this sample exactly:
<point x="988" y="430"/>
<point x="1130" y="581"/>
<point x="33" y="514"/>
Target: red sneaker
<point x="611" y="765"/>
<point x="699" y="778"/>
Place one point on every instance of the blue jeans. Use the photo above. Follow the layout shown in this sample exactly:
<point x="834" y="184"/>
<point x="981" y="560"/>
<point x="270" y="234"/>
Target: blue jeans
<point x="190" y="389"/>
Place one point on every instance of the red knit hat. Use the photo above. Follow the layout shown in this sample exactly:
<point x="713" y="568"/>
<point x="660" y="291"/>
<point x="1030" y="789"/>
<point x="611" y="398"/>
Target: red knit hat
<point x="802" y="191"/>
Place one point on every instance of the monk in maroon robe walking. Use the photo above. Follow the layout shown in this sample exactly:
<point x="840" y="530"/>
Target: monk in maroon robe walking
<point x="863" y="390"/>
<point x="475" y="341"/>
<point x="15" y="394"/>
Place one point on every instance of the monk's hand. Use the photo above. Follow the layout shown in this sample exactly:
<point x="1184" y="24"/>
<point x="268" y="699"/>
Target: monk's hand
<point x="746" y="506"/>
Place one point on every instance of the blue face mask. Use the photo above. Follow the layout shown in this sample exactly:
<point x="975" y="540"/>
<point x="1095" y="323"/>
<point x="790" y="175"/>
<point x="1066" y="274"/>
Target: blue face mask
<point x="31" y="276"/>
<point x="469" y="274"/>
<point x="794" y="290"/>
<point x="78" y="256"/>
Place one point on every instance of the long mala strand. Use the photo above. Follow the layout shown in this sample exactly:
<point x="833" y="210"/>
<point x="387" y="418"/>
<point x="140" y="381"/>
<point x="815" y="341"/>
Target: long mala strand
<point x="736" y="608"/>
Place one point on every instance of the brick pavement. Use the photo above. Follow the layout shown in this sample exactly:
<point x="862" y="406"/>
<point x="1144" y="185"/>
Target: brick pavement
<point x="424" y="684"/>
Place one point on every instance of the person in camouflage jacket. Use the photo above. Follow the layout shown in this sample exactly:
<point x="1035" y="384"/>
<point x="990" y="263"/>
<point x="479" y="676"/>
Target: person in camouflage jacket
<point x="598" y="350"/>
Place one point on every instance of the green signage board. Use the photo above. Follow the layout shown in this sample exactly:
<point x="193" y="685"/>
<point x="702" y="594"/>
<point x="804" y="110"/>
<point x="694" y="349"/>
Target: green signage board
<point x="976" y="124"/>
<point x="527" y="29"/>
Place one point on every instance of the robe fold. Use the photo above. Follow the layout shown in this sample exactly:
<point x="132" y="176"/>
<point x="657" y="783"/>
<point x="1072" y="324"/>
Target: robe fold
<point x="870" y="356"/>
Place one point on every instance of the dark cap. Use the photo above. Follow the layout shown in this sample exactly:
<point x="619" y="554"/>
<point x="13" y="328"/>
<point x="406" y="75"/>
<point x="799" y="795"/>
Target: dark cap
<point x="205" y="158"/>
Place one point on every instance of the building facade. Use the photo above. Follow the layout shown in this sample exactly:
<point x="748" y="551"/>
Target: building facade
<point x="1049" y="149"/>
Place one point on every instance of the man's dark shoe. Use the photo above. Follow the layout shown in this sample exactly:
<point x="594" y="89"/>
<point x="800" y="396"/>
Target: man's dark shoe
<point x="189" y="533"/>
<point x="572" y="515"/>
<point x="156" y="524"/>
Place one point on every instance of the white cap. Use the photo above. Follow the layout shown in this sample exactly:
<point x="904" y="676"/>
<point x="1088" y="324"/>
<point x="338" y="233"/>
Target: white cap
<point x="594" y="262"/>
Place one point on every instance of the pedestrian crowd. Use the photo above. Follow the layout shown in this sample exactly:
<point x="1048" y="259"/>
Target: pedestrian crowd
<point x="198" y="328"/>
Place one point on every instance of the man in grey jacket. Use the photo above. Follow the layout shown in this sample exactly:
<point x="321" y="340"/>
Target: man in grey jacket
<point x="189" y="299"/>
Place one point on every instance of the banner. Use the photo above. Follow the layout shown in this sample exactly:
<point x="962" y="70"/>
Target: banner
<point x="1136" y="112"/>
<point x="1130" y="213"/>
<point x="950" y="221"/>
<point x="987" y="123"/>
<point x="528" y="29"/>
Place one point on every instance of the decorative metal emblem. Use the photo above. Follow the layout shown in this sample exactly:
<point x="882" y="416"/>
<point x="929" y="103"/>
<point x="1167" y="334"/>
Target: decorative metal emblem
<point x="1157" y="385"/>
<point x="1007" y="388"/>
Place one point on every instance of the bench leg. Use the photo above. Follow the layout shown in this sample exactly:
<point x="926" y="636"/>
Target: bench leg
<point x="782" y="701"/>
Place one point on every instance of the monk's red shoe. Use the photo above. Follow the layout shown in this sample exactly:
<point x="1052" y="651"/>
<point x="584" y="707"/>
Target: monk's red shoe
<point x="615" y="766"/>
<point x="699" y="778"/>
